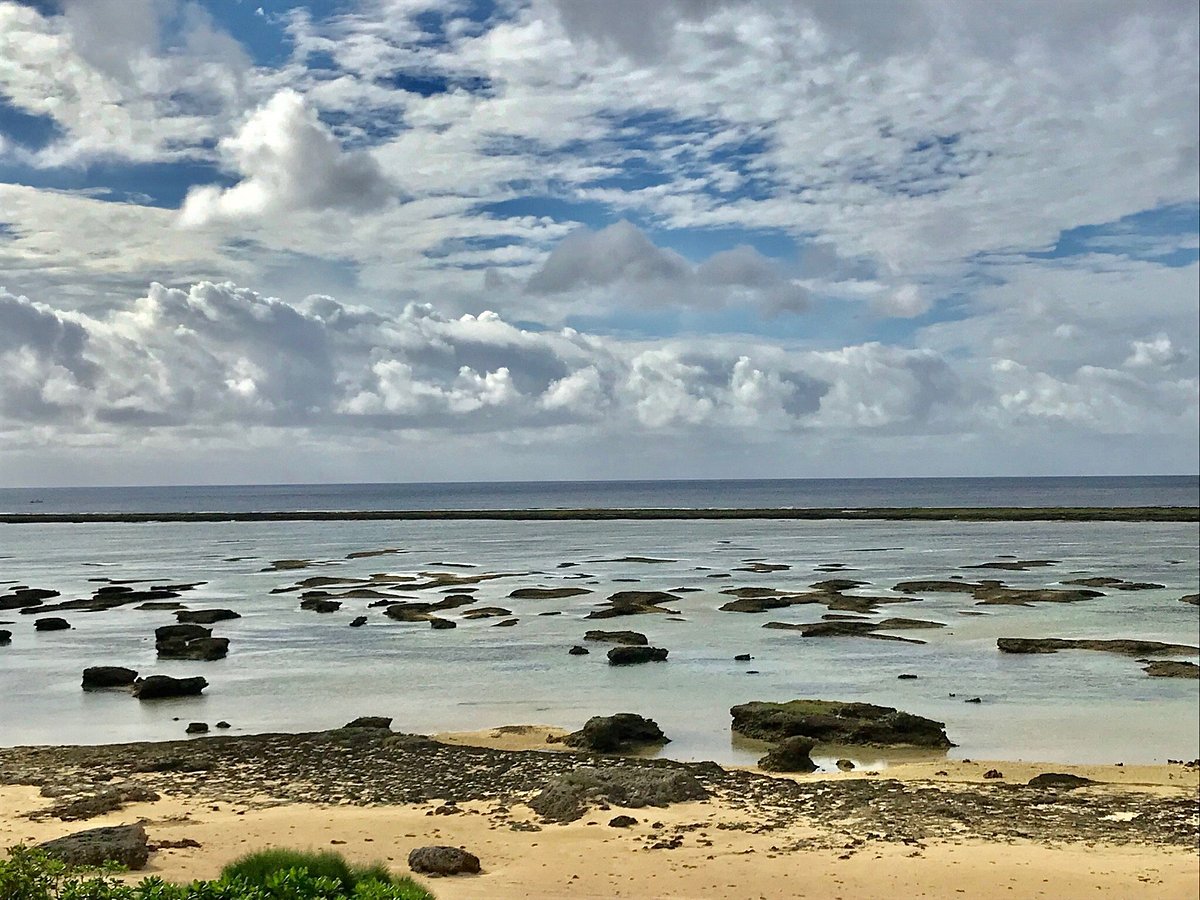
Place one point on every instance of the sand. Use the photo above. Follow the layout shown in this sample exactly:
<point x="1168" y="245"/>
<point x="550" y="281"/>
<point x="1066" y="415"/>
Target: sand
<point x="591" y="859"/>
<point x="689" y="850"/>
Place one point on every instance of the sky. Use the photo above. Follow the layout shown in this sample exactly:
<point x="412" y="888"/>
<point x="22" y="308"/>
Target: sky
<point x="261" y="241"/>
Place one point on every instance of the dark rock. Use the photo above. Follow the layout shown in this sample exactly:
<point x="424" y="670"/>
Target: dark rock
<point x="1164" y="668"/>
<point x="205" y="616"/>
<point x="197" y="728"/>
<point x="320" y="605"/>
<point x="578" y="651"/>
<point x="507" y="623"/>
<point x="993" y="774"/>
<point x="1061" y="780"/>
<point x="106" y="801"/>
<point x="124" y="844"/>
<point x="743" y="657"/>
<point x="906" y="676"/>
<point x="223" y="725"/>
<point x="358" y="621"/>
<point x="443" y="861"/>
<point x="440" y="624"/>
<point x="845" y="765"/>
<point x="633" y="603"/>
<point x="156" y="687"/>
<point x="630" y="638"/>
<point x="566" y="797"/>
<point x="384" y="722"/>
<point x="5" y="636"/>
<point x="627" y="656"/>
<point x="97" y="678"/>
<point x="488" y="612"/>
<point x="622" y="822"/>
<point x="790" y="755"/>
<point x="611" y="734"/>
<point x="547" y="593"/>
<point x="974" y="700"/>
<point x="1122" y="646"/>
<point x="25" y="598"/>
<point x="51" y="623"/>
<point x="1193" y="599"/>
<point x="205" y="649"/>
<point x="1015" y="565"/>
<point x="832" y="722"/>
<point x="186" y="632"/>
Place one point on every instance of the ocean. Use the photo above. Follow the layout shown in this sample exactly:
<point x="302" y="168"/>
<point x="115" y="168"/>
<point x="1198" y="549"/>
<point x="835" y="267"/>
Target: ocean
<point x="290" y="669"/>
<point x="1158" y="490"/>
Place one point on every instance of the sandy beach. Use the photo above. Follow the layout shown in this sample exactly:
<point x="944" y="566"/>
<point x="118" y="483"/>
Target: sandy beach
<point x="1134" y="833"/>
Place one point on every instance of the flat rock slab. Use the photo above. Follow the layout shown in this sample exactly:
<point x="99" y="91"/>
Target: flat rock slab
<point x="124" y="844"/>
<point x="1125" y="647"/>
<point x="833" y="722"/>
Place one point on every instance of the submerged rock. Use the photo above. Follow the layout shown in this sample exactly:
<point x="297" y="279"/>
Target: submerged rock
<point x="612" y="734"/>
<point x="833" y="722"/>
<point x="51" y="623"/>
<point x="205" y="616"/>
<point x="631" y="638"/>
<point x="1163" y="668"/>
<point x="1126" y="647"/>
<point x="547" y="593"/>
<point x="634" y="603"/>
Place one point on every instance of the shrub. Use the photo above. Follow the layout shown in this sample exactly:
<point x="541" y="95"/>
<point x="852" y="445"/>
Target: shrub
<point x="29" y="874"/>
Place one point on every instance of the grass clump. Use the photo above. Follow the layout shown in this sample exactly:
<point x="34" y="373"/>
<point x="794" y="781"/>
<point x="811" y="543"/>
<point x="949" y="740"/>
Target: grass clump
<point x="30" y="874"/>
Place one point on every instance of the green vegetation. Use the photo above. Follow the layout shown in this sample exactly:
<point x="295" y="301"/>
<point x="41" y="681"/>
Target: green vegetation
<point x="29" y="874"/>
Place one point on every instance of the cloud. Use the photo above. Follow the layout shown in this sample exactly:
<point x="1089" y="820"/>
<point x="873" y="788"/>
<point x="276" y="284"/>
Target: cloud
<point x="621" y="262"/>
<point x="289" y="162"/>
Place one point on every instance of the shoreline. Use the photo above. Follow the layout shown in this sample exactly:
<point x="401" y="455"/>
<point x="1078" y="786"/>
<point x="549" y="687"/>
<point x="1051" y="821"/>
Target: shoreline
<point x="897" y="514"/>
<point x="374" y="795"/>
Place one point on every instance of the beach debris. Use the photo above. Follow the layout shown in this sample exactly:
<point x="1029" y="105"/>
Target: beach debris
<point x="790" y="755"/>
<point x="834" y="722"/>
<point x="440" y="860"/>
<point x="1124" y="646"/>
<point x="124" y="844"/>
<point x="51" y="623"/>
<point x="628" y="656"/>
<point x="616" y="733"/>
<point x="384" y="722"/>
<point x="157" y="687"/>
<point x="98" y="678"/>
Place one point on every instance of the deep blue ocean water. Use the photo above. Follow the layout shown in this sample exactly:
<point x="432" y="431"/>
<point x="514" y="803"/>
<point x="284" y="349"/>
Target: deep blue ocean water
<point x="1166" y="490"/>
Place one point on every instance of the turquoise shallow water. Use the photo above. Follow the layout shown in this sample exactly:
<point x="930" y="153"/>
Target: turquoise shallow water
<point x="292" y="670"/>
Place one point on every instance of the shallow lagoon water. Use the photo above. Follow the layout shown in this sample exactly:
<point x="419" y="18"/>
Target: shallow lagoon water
<point x="293" y="670"/>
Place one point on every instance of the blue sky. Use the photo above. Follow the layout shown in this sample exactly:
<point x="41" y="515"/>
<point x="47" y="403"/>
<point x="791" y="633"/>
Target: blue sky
<point x="820" y="227"/>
